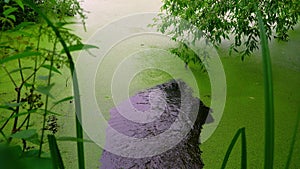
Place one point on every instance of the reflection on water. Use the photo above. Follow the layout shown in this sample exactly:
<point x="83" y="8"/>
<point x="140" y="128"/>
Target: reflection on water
<point x="165" y="101"/>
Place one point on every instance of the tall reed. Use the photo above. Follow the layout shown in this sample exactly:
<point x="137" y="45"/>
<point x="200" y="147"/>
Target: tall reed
<point x="269" y="99"/>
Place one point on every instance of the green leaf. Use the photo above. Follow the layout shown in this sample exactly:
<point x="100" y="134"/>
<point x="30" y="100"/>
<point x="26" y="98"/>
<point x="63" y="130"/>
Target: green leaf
<point x="24" y="134"/>
<point x="18" y="69"/>
<point x="61" y="24"/>
<point x="12" y="17"/>
<point x="55" y="154"/>
<point x="45" y="90"/>
<point x="9" y="11"/>
<point x="73" y="139"/>
<point x="6" y="47"/>
<point x="79" y="47"/>
<point x="50" y="112"/>
<point x="5" y="107"/>
<point x="19" y="115"/>
<point x="9" y="106"/>
<point x="43" y="77"/>
<point x="20" y="3"/>
<point x="28" y="84"/>
<point x="64" y="100"/>
<point x="19" y="56"/>
<point x="34" y="139"/>
<point x="23" y="25"/>
<point x="51" y="68"/>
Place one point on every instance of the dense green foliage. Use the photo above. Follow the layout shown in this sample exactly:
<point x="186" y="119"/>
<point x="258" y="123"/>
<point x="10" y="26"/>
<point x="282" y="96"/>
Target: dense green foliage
<point x="13" y="12"/>
<point x="231" y="19"/>
<point x="31" y="66"/>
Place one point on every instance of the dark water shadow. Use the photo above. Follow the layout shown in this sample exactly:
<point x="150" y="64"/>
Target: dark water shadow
<point x="166" y="98"/>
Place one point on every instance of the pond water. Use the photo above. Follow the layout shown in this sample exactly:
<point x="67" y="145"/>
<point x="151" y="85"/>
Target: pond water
<point x="130" y="67"/>
<point x="143" y="57"/>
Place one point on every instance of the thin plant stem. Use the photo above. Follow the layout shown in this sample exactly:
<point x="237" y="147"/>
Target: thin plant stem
<point x="3" y="135"/>
<point x="47" y="98"/>
<point x="10" y="77"/>
<point x="23" y="123"/>
<point x="21" y="72"/>
<point x="5" y="123"/>
<point x="34" y="76"/>
<point x="18" y="90"/>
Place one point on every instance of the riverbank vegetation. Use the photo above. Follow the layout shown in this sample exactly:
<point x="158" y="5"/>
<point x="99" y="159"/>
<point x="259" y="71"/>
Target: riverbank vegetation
<point x="34" y="49"/>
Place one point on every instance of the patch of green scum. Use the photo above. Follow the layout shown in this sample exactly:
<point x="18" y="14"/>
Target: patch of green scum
<point x="245" y="107"/>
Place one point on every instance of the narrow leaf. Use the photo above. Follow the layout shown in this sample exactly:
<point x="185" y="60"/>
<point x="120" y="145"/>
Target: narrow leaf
<point x="25" y="134"/>
<point x="12" y="17"/>
<point x="9" y="11"/>
<point x="18" y="69"/>
<point x="23" y="25"/>
<point x="43" y="77"/>
<point x="20" y="3"/>
<point x="51" y="68"/>
<point x="79" y="47"/>
<point x="9" y="106"/>
<point x="74" y="139"/>
<point x="268" y="89"/>
<point x="19" y="56"/>
<point x="50" y="112"/>
<point x="64" y="100"/>
<point x="241" y="131"/>
<point x="61" y="24"/>
<point x="18" y="115"/>
<point x="294" y="139"/>
<point x="55" y="154"/>
<point x="244" y="150"/>
<point x="45" y="90"/>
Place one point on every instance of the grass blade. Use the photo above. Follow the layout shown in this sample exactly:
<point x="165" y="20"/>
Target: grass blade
<point x="244" y="149"/>
<point x="287" y="166"/>
<point x="55" y="154"/>
<point x="241" y="132"/>
<point x="268" y="88"/>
